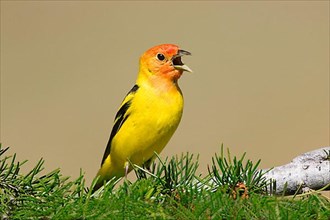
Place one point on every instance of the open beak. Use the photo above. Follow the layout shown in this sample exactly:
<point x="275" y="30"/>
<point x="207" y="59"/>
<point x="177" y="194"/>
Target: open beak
<point x="177" y="63"/>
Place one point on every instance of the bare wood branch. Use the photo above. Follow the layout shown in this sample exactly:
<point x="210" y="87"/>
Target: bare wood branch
<point x="309" y="171"/>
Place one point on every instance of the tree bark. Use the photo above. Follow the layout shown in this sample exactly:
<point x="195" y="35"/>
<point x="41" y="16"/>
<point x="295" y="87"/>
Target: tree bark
<point x="309" y="171"/>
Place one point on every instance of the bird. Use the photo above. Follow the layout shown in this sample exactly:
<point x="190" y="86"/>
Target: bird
<point x="149" y="114"/>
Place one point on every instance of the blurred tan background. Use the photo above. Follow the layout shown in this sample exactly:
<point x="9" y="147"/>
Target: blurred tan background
<point x="260" y="83"/>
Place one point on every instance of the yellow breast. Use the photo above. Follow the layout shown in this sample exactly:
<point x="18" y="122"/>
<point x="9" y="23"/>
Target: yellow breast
<point x="153" y="118"/>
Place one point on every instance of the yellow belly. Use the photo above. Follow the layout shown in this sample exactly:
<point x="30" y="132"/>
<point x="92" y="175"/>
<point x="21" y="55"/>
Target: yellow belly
<point x="151" y="123"/>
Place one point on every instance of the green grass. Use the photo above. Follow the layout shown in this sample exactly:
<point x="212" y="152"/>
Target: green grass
<point x="171" y="189"/>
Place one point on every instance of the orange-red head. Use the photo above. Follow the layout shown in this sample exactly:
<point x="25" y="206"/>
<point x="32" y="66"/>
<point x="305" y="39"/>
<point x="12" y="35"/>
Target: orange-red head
<point x="163" y="62"/>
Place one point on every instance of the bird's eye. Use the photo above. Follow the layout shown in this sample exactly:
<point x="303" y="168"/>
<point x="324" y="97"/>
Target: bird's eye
<point x="160" y="57"/>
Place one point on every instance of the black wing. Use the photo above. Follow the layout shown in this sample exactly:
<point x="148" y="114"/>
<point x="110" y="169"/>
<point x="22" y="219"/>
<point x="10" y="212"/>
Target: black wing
<point x="120" y="118"/>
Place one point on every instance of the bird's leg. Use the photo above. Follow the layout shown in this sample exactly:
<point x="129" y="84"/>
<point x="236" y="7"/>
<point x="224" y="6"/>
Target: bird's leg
<point x="126" y="169"/>
<point x="147" y="164"/>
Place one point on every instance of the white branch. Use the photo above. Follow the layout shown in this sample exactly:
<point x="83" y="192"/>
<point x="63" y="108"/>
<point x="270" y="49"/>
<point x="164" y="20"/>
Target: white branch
<point x="310" y="170"/>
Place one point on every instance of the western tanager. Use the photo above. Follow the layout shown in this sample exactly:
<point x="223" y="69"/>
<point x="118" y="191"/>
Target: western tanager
<point x="149" y="114"/>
